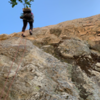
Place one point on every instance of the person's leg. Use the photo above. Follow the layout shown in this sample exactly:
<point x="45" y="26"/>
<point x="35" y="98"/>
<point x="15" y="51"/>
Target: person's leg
<point x="24" y="26"/>
<point x="31" y="27"/>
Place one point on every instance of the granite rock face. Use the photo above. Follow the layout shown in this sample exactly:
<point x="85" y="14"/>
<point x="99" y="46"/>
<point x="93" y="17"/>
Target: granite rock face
<point x="40" y="76"/>
<point x="58" y="62"/>
<point x="73" y="47"/>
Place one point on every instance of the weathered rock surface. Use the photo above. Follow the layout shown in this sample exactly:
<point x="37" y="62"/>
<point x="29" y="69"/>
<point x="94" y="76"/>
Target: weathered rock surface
<point x="58" y="62"/>
<point x="40" y="76"/>
<point x="73" y="47"/>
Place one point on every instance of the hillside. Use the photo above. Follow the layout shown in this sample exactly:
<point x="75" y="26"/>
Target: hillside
<point x="58" y="62"/>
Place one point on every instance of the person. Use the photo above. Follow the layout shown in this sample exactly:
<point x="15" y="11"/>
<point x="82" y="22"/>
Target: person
<point x="27" y="16"/>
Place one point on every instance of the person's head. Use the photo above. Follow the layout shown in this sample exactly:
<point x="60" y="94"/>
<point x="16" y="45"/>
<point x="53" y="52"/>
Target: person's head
<point x="26" y="9"/>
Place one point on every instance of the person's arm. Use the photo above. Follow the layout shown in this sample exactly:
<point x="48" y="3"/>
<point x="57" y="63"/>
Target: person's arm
<point x="32" y="17"/>
<point x="21" y="16"/>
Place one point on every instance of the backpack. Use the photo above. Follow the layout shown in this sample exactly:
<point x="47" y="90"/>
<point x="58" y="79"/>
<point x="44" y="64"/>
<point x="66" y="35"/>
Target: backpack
<point x="27" y="16"/>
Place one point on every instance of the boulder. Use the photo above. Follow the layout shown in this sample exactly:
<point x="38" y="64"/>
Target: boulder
<point x="73" y="47"/>
<point x="40" y="76"/>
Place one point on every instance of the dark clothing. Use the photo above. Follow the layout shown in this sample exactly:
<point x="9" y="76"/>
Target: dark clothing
<point x="25" y="24"/>
<point x="27" y="17"/>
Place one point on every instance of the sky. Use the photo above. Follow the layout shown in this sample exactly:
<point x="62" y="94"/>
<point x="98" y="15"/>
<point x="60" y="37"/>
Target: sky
<point x="46" y="12"/>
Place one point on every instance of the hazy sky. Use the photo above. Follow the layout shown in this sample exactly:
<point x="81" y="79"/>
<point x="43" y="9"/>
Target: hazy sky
<point x="46" y="12"/>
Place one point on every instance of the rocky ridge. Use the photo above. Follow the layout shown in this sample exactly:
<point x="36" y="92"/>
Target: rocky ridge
<point x="58" y="62"/>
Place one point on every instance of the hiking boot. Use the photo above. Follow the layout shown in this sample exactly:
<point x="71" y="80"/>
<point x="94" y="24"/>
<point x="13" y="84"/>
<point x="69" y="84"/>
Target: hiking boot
<point x="23" y="35"/>
<point x="31" y="33"/>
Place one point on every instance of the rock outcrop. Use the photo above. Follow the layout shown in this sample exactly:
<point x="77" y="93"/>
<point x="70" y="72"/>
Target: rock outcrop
<point x="58" y="62"/>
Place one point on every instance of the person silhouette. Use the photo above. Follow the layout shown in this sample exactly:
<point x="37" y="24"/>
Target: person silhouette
<point x="27" y="16"/>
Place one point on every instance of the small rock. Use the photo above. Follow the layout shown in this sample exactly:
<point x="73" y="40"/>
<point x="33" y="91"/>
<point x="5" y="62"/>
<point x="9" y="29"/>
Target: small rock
<point x="98" y="64"/>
